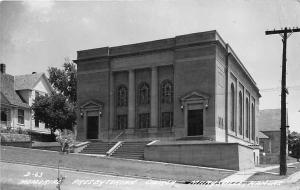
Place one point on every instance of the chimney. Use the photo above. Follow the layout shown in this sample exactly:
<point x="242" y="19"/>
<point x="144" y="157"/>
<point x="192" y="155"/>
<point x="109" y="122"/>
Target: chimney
<point x="2" y="68"/>
<point x="33" y="73"/>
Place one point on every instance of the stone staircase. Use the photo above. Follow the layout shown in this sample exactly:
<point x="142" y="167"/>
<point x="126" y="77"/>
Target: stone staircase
<point x="131" y="150"/>
<point x="98" y="147"/>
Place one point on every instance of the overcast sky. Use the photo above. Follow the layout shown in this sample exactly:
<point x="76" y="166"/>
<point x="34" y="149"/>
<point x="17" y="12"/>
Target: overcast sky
<point x="35" y="35"/>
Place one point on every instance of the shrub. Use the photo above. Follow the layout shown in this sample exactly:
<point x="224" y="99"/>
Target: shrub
<point x="11" y="130"/>
<point x="66" y="138"/>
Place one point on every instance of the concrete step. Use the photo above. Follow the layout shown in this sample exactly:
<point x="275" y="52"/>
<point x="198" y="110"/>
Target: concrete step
<point x="131" y="150"/>
<point x="98" y="147"/>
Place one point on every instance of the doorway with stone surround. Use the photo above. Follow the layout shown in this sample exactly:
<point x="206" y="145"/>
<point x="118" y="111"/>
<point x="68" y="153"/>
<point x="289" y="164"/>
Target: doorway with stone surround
<point x="195" y="122"/>
<point x="194" y="106"/>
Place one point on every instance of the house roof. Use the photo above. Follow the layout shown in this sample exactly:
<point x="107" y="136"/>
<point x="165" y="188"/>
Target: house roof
<point x="269" y="120"/>
<point x="261" y="135"/>
<point x="25" y="82"/>
<point x="3" y="99"/>
<point x="8" y="93"/>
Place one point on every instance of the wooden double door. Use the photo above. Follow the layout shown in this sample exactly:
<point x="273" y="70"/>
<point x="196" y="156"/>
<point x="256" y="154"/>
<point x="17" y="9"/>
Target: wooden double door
<point x="92" y="127"/>
<point x="195" y="122"/>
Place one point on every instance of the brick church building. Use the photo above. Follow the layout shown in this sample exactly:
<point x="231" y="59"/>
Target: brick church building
<point x="189" y="86"/>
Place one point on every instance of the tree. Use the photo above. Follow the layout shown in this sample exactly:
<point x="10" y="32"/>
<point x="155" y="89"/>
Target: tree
<point x="64" y="80"/>
<point x="294" y="144"/>
<point x="66" y="139"/>
<point x="55" y="111"/>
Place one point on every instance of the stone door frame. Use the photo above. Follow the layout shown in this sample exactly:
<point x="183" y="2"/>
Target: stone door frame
<point x="92" y="108"/>
<point x="193" y="101"/>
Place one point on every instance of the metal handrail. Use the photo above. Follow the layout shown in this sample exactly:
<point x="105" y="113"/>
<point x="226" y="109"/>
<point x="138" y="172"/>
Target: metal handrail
<point x="117" y="136"/>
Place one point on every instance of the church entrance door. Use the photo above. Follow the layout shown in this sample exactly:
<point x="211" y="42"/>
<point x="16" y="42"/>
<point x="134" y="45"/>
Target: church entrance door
<point x="92" y="127"/>
<point x="195" y="122"/>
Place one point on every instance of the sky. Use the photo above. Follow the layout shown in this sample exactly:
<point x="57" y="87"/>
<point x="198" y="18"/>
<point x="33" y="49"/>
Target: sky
<point x="35" y="35"/>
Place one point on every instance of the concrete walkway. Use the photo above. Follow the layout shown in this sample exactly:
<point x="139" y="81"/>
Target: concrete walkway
<point x="244" y="175"/>
<point x="293" y="178"/>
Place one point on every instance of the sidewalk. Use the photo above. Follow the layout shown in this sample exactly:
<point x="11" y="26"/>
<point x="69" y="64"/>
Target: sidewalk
<point x="244" y="175"/>
<point x="273" y="174"/>
<point x="293" y="178"/>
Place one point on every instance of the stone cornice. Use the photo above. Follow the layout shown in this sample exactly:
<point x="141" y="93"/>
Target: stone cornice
<point x="178" y="42"/>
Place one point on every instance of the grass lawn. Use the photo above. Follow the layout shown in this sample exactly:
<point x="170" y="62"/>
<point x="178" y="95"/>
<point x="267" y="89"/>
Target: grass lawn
<point x="114" y="166"/>
<point x="9" y="186"/>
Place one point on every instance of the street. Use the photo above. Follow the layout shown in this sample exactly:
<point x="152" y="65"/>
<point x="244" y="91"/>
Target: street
<point x="21" y="176"/>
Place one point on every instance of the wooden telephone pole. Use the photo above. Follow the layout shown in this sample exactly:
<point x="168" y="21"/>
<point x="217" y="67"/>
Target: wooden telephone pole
<point x="284" y="33"/>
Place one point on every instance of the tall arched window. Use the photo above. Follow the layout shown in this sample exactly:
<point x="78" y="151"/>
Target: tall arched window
<point x="166" y="92"/>
<point x="143" y="94"/>
<point x="122" y="99"/>
<point x="240" y="113"/>
<point x="253" y="121"/>
<point x="232" y="110"/>
<point x="247" y="118"/>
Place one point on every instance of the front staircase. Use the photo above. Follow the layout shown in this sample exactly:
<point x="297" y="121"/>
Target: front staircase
<point x="98" y="147"/>
<point x="131" y="150"/>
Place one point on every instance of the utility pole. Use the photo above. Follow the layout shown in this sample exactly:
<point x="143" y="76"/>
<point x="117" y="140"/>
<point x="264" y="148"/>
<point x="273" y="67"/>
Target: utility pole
<point x="285" y="34"/>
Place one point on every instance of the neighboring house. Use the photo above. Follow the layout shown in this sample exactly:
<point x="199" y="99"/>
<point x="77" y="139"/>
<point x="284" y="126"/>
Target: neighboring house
<point x="269" y="122"/>
<point x="17" y="95"/>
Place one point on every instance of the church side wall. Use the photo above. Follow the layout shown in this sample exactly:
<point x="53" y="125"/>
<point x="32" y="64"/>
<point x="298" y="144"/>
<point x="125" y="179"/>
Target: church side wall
<point x="194" y="71"/>
<point x="242" y="84"/>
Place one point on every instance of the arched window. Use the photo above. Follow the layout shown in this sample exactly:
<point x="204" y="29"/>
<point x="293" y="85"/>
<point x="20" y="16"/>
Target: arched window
<point x="166" y="89"/>
<point x="143" y="94"/>
<point x="232" y="110"/>
<point x="240" y="113"/>
<point x="122" y="99"/>
<point x="247" y="118"/>
<point x="253" y="121"/>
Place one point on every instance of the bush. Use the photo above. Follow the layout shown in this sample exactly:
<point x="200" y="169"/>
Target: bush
<point x="11" y="130"/>
<point x="13" y="137"/>
<point x="66" y="138"/>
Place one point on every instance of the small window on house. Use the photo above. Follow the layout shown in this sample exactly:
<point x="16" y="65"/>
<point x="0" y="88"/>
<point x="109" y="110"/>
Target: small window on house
<point x="36" y="123"/>
<point x="3" y="115"/>
<point x="37" y="93"/>
<point x="20" y="116"/>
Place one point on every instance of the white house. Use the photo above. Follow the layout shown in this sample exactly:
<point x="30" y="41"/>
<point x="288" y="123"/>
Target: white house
<point x="17" y="95"/>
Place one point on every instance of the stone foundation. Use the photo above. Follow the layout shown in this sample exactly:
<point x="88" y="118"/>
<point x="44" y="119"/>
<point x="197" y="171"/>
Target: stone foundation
<point x="232" y="156"/>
